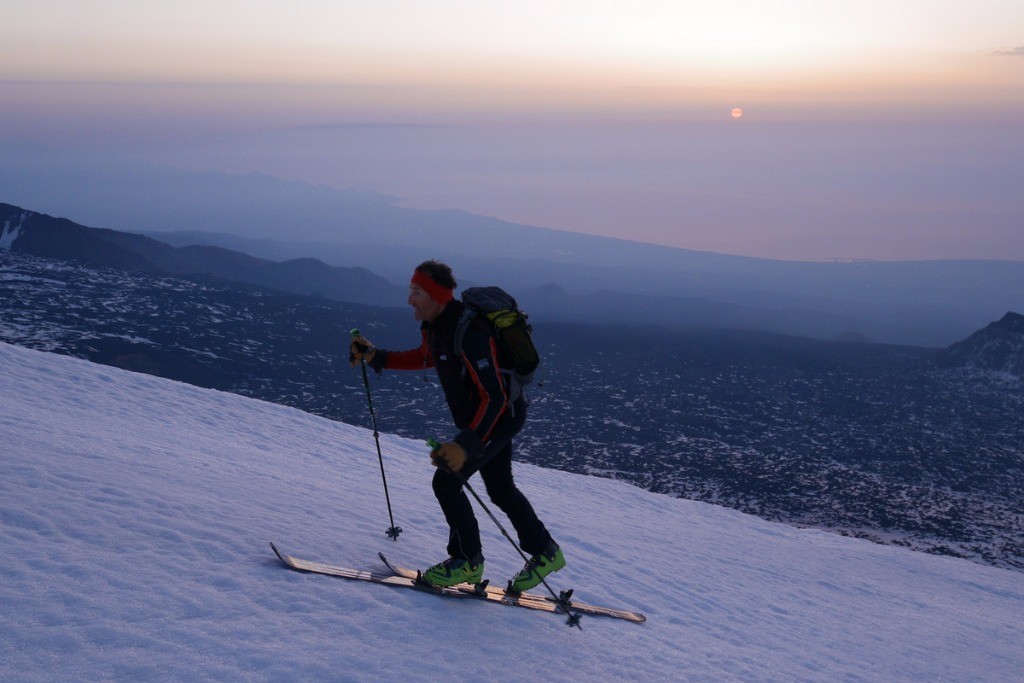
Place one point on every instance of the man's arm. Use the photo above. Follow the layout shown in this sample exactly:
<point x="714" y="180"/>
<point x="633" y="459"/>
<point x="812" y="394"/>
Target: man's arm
<point x="413" y="359"/>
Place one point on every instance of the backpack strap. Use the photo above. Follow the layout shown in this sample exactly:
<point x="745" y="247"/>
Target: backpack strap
<point x="460" y="329"/>
<point x="513" y="387"/>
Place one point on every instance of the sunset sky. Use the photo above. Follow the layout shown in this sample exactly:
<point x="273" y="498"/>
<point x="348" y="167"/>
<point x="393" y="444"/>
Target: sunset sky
<point x="903" y="121"/>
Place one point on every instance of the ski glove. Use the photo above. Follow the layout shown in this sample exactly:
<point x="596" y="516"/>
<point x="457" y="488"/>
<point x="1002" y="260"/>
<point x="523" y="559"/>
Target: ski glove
<point x="449" y="455"/>
<point x="360" y="351"/>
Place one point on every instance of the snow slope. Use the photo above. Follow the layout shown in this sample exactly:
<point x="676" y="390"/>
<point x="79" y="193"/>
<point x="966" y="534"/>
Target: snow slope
<point x="136" y="514"/>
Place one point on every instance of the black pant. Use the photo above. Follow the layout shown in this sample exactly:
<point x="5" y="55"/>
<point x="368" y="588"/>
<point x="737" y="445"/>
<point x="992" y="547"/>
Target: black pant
<point x="495" y="469"/>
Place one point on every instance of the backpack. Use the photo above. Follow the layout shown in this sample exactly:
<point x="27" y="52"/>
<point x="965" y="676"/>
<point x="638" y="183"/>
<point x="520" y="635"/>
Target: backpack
<point x="517" y="355"/>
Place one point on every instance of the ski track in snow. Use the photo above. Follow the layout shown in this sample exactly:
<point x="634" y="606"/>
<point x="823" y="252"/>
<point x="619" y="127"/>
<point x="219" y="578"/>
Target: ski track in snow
<point x="137" y="512"/>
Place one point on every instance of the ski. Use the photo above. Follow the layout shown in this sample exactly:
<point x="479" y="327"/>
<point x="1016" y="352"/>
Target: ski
<point x="408" y="579"/>
<point x="391" y="579"/>
<point x="530" y="600"/>
<point x="314" y="567"/>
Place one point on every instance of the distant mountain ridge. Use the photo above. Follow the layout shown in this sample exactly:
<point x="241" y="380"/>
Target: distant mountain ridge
<point x="38" y="234"/>
<point x="556" y="276"/>
<point x="999" y="347"/>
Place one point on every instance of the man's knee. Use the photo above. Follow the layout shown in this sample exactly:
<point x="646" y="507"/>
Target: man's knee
<point x="504" y="495"/>
<point x="444" y="484"/>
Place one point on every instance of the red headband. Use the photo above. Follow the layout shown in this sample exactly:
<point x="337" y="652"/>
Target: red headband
<point x="435" y="290"/>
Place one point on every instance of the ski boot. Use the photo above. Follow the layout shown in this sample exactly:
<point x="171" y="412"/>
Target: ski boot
<point x="539" y="566"/>
<point x="453" y="571"/>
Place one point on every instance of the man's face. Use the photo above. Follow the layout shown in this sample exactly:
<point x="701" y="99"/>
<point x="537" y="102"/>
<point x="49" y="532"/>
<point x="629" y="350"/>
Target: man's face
<point x="423" y="307"/>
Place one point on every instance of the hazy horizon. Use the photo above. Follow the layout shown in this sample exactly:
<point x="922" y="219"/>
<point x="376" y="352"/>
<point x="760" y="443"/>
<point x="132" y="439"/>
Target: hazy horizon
<point x="790" y="131"/>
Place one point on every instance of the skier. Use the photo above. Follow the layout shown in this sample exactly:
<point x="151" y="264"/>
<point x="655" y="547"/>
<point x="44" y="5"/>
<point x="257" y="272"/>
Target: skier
<point x="487" y="421"/>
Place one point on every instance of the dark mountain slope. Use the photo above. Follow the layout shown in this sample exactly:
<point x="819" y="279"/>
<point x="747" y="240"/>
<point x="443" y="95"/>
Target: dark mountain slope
<point x="999" y="347"/>
<point x="37" y="234"/>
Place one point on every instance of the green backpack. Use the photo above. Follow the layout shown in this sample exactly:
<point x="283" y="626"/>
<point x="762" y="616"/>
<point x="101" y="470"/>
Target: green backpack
<point x="517" y="354"/>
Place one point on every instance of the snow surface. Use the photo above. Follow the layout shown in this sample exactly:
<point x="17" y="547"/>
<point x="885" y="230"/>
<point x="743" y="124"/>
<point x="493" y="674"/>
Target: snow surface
<point x="10" y="234"/>
<point x="137" y="512"/>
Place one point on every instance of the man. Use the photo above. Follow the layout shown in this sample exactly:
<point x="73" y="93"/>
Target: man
<point x="487" y="421"/>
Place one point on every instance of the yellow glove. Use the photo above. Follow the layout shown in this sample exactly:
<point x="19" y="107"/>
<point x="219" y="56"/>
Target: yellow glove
<point x="361" y="351"/>
<point x="449" y="455"/>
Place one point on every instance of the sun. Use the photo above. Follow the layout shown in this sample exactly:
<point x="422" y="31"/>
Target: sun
<point x="737" y="113"/>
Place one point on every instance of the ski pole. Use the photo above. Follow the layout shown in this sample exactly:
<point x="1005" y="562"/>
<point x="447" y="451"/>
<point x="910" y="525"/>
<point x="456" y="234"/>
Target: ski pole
<point x="393" y="530"/>
<point x="574" y="619"/>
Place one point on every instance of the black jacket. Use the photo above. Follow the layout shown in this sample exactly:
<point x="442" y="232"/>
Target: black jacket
<point x="473" y="385"/>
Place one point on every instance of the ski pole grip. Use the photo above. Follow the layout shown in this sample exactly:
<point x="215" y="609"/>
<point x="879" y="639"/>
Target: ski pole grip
<point x="441" y="462"/>
<point x="356" y="335"/>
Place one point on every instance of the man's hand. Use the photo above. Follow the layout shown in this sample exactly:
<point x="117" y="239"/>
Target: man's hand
<point x="361" y="351"/>
<point x="449" y="455"/>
